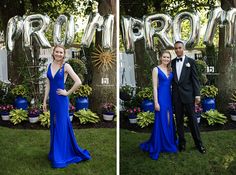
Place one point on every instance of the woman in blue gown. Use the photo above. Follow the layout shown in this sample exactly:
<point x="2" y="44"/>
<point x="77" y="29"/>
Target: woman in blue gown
<point x="163" y="138"/>
<point x="64" y="149"/>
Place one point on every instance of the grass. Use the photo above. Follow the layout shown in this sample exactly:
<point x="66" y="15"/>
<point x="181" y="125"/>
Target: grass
<point x="24" y="152"/>
<point x="220" y="158"/>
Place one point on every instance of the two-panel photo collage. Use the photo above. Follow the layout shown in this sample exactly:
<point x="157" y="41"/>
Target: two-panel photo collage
<point x="117" y="87"/>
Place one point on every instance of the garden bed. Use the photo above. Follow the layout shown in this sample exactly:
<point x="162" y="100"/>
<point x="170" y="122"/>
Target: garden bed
<point x="124" y="124"/>
<point x="75" y="123"/>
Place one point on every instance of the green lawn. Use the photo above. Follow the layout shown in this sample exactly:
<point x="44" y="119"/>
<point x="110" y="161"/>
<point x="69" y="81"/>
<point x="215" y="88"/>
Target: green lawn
<point x="220" y="158"/>
<point x="24" y="152"/>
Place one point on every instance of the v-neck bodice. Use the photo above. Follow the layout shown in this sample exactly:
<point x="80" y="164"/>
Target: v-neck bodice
<point x="56" y="82"/>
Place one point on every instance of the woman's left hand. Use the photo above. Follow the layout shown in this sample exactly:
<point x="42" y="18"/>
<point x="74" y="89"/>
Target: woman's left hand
<point x="62" y="92"/>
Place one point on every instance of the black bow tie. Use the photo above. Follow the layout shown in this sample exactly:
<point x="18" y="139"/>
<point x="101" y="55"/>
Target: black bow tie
<point x="179" y="59"/>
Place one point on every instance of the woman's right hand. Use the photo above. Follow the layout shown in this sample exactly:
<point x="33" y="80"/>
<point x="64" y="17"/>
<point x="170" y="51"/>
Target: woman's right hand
<point x="157" y="107"/>
<point x="44" y="107"/>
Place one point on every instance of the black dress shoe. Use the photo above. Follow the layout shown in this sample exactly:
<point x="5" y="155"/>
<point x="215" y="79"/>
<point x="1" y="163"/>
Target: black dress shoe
<point x="201" y="149"/>
<point x="181" y="148"/>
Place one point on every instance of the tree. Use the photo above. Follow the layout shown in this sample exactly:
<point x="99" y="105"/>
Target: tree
<point x="103" y="93"/>
<point x="226" y="64"/>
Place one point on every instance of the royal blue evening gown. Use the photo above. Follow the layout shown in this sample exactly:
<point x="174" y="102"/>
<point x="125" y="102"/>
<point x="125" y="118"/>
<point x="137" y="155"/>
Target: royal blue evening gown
<point x="64" y="149"/>
<point x="163" y="138"/>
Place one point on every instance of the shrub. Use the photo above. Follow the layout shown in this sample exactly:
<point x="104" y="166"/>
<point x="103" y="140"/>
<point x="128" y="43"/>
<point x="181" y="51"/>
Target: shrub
<point x="44" y="118"/>
<point x="145" y="118"/>
<point x="213" y="117"/>
<point x="209" y="91"/>
<point x="87" y="116"/>
<point x="83" y="91"/>
<point x="18" y="115"/>
<point x="19" y="90"/>
<point x="146" y="93"/>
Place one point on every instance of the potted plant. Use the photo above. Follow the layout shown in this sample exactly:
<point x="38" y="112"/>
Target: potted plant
<point x="198" y="112"/>
<point x="81" y="100"/>
<point x="146" y="94"/>
<point x="126" y="92"/>
<point x="209" y="93"/>
<point x="232" y="110"/>
<point x="132" y="114"/>
<point x="87" y="116"/>
<point x="33" y="114"/>
<point x="20" y="92"/>
<point x="213" y="117"/>
<point x="5" y="111"/>
<point x="18" y="115"/>
<point x="108" y="111"/>
<point x="71" y="111"/>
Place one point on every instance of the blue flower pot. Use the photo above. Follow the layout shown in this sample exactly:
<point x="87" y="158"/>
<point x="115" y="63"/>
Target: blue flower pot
<point x="232" y="112"/>
<point x="132" y="116"/>
<point x="108" y="113"/>
<point x="208" y="104"/>
<point x="5" y="113"/>
<point x="147" y="105"/>
<point x="81" y="103"/>
<point x="21" y="103"/>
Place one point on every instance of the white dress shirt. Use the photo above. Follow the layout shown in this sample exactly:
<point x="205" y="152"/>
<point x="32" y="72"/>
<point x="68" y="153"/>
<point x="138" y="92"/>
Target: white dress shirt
<point x="179" y="66"/>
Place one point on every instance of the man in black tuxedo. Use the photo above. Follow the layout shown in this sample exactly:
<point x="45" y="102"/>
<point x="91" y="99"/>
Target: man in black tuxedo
<point x="185" y="93"/>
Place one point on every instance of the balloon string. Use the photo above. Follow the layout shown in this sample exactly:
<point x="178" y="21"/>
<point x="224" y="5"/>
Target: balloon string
<point x="30" y="74"/>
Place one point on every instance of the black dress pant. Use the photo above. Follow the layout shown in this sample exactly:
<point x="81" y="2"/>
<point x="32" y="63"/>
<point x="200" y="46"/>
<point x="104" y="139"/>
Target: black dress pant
<point x="182" y="110"/>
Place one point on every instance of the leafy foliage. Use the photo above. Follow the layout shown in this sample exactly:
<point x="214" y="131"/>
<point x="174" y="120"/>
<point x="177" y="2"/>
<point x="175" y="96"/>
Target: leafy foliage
<point x="127" y="88"/>
<point x="146" y="93"/>
<point x="6" y="97"/>
<point x="201" y="71"/>
<point x="233" y="97"/>
<point x="209" y="91"/>
<point x="19" y="90"/>
<point x="145" y="119"/>
<point x="18" y="115"/>
<point x="83" y="91"/>
<point x="87" y="116"/>
<point x="80" y="69"/>
<point x="213" y="117"/>
<point x="45" y="119"/>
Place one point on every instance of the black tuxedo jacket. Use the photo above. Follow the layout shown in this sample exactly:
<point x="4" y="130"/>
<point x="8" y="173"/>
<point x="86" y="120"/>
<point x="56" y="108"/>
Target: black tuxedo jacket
<point x="187" y="87"/>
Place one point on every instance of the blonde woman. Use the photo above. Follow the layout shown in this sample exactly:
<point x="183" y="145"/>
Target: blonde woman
<point x="163" y="137"/>
<point x="63" y="147"/>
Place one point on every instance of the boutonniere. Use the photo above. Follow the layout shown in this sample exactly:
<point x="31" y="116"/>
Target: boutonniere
<point x="187" y="65"/>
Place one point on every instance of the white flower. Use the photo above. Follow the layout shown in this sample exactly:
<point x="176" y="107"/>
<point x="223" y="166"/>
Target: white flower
<point x="187" y="65"/>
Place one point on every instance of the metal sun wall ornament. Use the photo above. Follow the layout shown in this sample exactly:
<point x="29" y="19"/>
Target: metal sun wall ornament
<point x="103" y="59"/>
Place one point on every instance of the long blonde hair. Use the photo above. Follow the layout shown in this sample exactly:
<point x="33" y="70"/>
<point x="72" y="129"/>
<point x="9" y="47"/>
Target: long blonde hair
<point x="168" y="65"/>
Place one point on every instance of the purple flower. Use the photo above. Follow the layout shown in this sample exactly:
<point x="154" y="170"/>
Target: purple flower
<point x="232" y="106"/>
<point x="71" y="108"/>
<point x="6" y="108"/>
<point x="33" y="112"/>
<point x="134" y="110"/>
<point x="198" y="109"/>
<point x="108" y="107"/>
